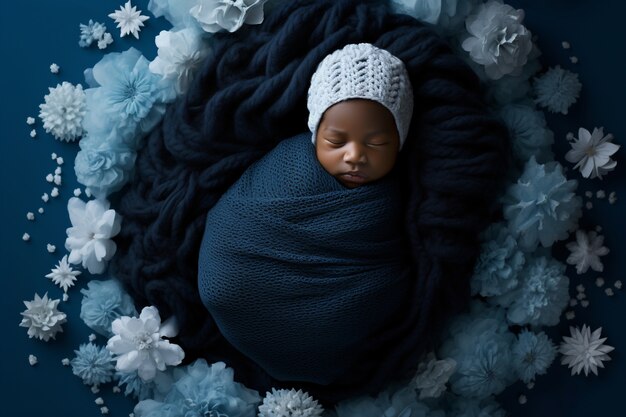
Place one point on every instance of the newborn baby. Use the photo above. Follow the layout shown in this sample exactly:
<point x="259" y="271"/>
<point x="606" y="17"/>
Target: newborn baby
<point x="303" y="265"/>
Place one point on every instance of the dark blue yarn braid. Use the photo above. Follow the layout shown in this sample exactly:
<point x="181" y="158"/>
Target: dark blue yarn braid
<point x="249" y="95"/>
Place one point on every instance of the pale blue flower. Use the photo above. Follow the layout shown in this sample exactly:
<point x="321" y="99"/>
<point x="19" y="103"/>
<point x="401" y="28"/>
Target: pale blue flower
<point x="511" y="88"/>
<point x="103" y="302"/>
<point x="529" y="134"/>
<point x="557" y="89"/>
<point x="469" y="407"/>
<point x="91" y="32"/>
<point x="542" y="207"/>
<point x="499" y="262"/>
<point x="215" y="15"/>
<point x="93" y="364"/>
<point x="124" y="94"/>
<point x="541" y="295"/>
<point x="480" y="343"/>
<point x="203" y="390"/>
<point x="155" y="389"/>
<point x="175" y="11"/>
<point x="402" y="403"/>
<point x="533" y="354"/>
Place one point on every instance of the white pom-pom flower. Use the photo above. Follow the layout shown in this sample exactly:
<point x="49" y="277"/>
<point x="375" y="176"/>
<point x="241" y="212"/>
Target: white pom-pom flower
<point x="63" y="111"/>
<point x="89" y="238"/>
<point x="139" y="346"/>
<point x="42" y="318"/>
<point x="289" y="403"/>
<point x="63" y="275"/>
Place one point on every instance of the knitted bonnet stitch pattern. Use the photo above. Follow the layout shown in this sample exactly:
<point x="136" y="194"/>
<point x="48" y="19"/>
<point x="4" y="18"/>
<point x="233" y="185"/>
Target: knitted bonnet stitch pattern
<point x="249" y="95"/>
<point x="361" y="71"/>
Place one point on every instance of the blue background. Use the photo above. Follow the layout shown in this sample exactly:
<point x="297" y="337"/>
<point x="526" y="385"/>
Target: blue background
<point x="36" y="33"/>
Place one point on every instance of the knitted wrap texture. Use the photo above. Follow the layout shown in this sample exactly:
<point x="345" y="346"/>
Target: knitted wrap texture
<point x="249" y="95"/>
<point x="366" y="72"/>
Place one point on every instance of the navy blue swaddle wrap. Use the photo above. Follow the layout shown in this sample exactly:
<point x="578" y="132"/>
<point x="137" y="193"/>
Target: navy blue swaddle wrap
<point x="299" y="272"/>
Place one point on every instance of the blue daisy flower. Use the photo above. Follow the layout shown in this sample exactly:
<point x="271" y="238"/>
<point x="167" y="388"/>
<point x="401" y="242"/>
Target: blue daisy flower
<point x="533" y="354"/>
<point x="93" y="364"/>
<point x="557" y="89"/>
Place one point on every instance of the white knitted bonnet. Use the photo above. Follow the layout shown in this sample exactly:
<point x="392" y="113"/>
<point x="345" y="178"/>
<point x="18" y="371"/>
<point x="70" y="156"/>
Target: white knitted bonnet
<point x="361" y="71"/>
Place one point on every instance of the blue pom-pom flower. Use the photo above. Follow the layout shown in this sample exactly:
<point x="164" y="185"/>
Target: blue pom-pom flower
<point x="201" y="390"/>
<point x="529" y="134"/>
<point x="557" y="89"/>
<point x="93" y="364"/>
<point x="499" y="263"/>
<point x="103" y="302"/>
<point x="541" y="296"/>
<point x="533" y="354"/>
<point x="542" y="207"/>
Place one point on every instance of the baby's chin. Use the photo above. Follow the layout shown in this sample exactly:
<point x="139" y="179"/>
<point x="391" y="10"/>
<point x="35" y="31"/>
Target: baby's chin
<point x="350" y="184"/>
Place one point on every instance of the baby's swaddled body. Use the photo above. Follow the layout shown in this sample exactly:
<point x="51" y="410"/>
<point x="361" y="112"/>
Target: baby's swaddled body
<point x="301" y="274"/>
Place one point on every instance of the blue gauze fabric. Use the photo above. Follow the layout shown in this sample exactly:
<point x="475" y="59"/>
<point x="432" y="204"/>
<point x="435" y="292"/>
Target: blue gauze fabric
<point x="300" y="273"/>
<point x="249" y="95"/>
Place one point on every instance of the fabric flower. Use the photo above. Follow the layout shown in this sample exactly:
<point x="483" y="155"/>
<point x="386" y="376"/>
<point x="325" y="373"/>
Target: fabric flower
<point x="129" y="20"/>
<point x="124" y="95"/>
<point x="541" y="296"/>
<point x="63" y="275"/>
<point x="203" y="390"/>
<point x="529" y="134"/>
<point x="542" y="206"/>
<point x="533" y="354"/>
<point x="215" y="15"/>
<point x="93" y="364"/>
<point x="142" y="390"/>
<point x="289" y="403"/>
<point x="480" y="343"/>
<point x="138" y="343"/>
<point x="90" y="237"/>
<point x="42" y="318"/>
<point x="401" y="403"/>
<point x="499" y="263"/>
<point x="584" y="350"/>
<point x="104" y="169"/>
<point x="91" y="32"/>
<point x="179" y="55"/>
<point x="498" y="40"/>
<point x="432" y="376"/>
<point x="103" y="302"/>
<point x="586" y="251"/>
<point x="557" y="89"/>
<point x="63" y="111"/>
<point x="592" y="152"/>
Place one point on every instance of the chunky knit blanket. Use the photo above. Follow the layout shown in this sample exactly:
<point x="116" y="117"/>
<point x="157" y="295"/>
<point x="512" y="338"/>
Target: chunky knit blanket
<point x="248" y="96"/>
<point x="302" y="274"/>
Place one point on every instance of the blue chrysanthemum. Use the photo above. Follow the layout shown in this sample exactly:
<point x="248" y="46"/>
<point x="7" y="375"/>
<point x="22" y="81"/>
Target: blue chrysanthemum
<point x="541" y="296"/>
<point x="93" y="364"/>
<point x="480" y="343"/>
<point x="499" y="263"/>
<point x="542" y="207"/>
<point x="469" y="407"/>
<point x="124" y="94"/>
<point x="403" y="402"/>
<point x="154" y="389"/>
<point x="103" y="302"/>
<point x="203" y="390"/>
<point x="529" y="134"/>
<point x="533" y="353"/>
<point x="557" y="89"/>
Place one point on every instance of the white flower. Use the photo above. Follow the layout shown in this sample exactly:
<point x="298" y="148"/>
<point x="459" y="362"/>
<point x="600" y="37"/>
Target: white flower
<point x="42" y="318"/>
<point x="289" y="403"/>
<point x="63" y="111"/>
<point x="498" y="40"/>
<point x="592" y="153"/>
<point x="138" y="345"/>
<point x="584" y="350"/>
<point x="63" y="275"/>
<point x="179" y="55"/>
<point x="432" y="376"/>
<point x="89" y="238"/>
<point x="128" y="19"/>
<point x="586" y="251"/>
<point x="214" y="15"/>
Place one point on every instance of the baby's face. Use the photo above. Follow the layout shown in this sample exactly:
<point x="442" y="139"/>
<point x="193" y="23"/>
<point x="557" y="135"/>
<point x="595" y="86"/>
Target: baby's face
<point x="357" y="141"/>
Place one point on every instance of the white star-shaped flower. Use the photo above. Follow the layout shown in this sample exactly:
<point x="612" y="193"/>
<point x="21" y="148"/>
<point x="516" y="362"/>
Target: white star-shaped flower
<point x="592" y="153"/>
<point x="63" y="275"/>
<point x="586" y="251"/>
<point x="42" y="318"/>
<point x="129" y="19"/>
<point x="584" y="350"/>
